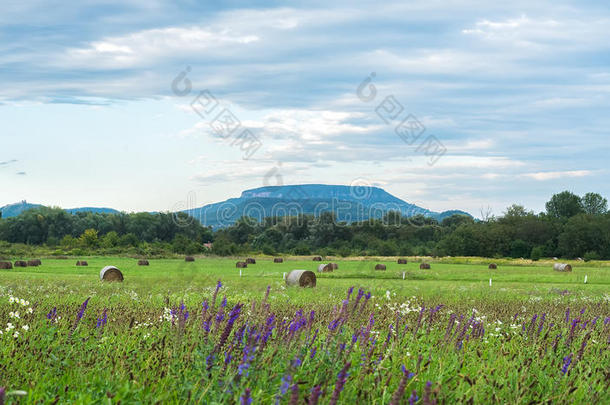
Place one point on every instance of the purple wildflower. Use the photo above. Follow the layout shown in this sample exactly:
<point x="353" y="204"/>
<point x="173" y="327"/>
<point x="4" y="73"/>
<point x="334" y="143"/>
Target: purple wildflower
<point x="294" y="397"/>
<point x="413" y="398"/>
<point x="315" y="395"/>
<point x="400" y="391"/>
<point x="566" y="363"/>
<point x="340" y="384"/>
<point x="83" y="307"/>
<point x="246" y="399"/>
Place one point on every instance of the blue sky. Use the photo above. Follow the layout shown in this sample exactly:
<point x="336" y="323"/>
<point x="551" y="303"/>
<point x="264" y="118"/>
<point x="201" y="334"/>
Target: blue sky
<point x="518" y="95"/>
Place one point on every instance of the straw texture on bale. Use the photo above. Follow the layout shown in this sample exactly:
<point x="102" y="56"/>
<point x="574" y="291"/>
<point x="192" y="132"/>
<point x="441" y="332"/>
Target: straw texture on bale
<point x="562" y="267"/>
<point x="335" y="266"/>
<point x="380" y="266"/>
<point x="278" y="260"/>
<point x="424" y="266"/>
<point x="21" y="263"/>
<point x="493" y="266"/>
<point x="317" y="259"/>
<point x="250" y="260"/>
<point x="38" y="262"/>
<point x="241" y="265"/>
<point x="189" y="259"/>
<point x="402" y="261"/>
<point x="111" y="273"/>
<point x="32" y="263"/>
<point x="301" y="278"/>
<point x="82" y="263"/>
<point x="325" y="268"/>
<point x="6" y="265"/>
<point x="143" y="262"/>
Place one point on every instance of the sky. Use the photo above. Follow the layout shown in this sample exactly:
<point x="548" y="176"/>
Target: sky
<point x="160" y="105"/>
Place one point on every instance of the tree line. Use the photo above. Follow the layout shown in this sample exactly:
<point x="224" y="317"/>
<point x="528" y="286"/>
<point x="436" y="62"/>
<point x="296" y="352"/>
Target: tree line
<point x="571" y="227"/>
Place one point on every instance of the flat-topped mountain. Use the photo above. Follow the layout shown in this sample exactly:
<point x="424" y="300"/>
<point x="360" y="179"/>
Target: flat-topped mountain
<point x="347" y="203"/>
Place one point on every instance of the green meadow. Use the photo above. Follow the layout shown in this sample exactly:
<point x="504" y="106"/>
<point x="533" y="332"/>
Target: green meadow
<point x="170" y="333"/>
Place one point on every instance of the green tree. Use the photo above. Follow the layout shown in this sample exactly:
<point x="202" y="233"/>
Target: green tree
<point x="110" y="240"/>
<point x="594" y="204"/>
<point x="564" y="205"/>
<point x="89" y="238"/>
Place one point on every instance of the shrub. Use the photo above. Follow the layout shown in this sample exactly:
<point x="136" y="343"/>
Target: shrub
<point x="537" y="252"/>
<point x="592" y="255"/>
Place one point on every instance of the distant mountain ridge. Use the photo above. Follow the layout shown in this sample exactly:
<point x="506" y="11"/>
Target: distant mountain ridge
<point x="13" y="210"/>
<point x="349" y="204"/>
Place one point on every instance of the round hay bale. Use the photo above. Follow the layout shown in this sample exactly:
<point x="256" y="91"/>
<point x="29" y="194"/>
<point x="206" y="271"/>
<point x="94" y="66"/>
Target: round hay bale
<point x="493" y="266"/>
<point x="402" y="261"/>
<point x="580" y="259"/>
<point x="555" y="258"/>
<point x="6" y="265"/>
<point x="317" y="259"/>
<point x="301" y="278"/>
<point x="82" y="263"/>
<point x="21" y="263"/>
<point x="380" y="266"/>
<point x="32" y="263"/>
<point x="241" y="265"/>
<point x="250" y="260"/>
<point x="143" y="262"/>
<point x="278" y="260"/>
<point x="325" y="268"/>
<point x="424" y="266"/>
<point x="189" y="259"/>
<point x="38" y="262"/>
<point x="111" y="273"/>
<point x="335" y="266"/>
<point x="562" y="267"/>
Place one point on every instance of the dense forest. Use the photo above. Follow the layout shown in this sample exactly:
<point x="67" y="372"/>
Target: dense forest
<point x="571" y="227"/>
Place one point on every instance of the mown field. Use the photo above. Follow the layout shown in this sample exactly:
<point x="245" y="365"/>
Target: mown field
<point x="171" y="333"/>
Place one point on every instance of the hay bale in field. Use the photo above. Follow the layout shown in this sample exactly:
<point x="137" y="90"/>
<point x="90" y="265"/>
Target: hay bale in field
<point x="325" y="268"/>
<point x="37" y="262"/>
<point x="380" y="266"/>
<point x="189" y="259"/>
<point x="241" y="265"/>
<point x="250" y="260"/>
<point x="6" y="265"/>
<point x="335" y="266"/>
<point x="580" y="259"/>
<point x="555" y="258"/>
<point x="21" y="263"/>
<point x="424" y="266"/>
<point x="562" y="267"/>
<point x="82" y="263"/>
<point x="317" y="259"/>
<point x="143" y="262"/>
<point x="32" y="263"/>
<point x="111" y="273"/>
<point x="493" y="266"/>
<point x="278" y="260"/>
<point x="301" y="278"/>
<point x="402" y="261"/>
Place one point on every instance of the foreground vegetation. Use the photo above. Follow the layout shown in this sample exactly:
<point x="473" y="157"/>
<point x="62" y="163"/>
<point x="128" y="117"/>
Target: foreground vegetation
<point x="172" y="333"/>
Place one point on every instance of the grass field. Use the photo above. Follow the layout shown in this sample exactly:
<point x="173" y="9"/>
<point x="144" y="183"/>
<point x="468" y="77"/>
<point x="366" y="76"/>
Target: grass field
<point x="165" y="335"/>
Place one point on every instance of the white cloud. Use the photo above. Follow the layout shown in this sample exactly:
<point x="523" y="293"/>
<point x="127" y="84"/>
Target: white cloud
<point x="542" y="176"/>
